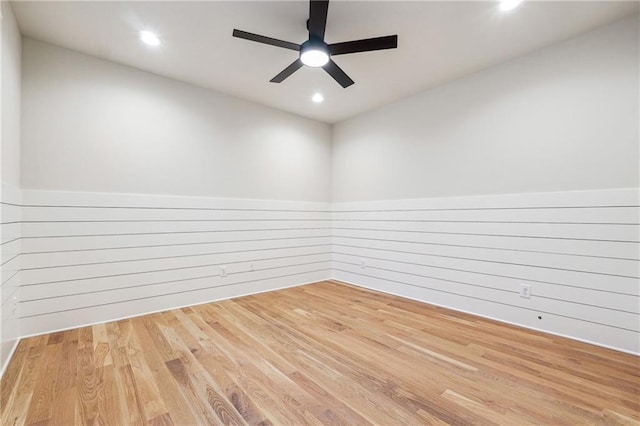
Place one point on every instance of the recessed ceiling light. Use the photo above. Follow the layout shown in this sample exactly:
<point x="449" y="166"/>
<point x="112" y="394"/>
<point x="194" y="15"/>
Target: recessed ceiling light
<point x="509" y="4"/>
<point x="149" y="38"/>
<point x="317" y="98"/>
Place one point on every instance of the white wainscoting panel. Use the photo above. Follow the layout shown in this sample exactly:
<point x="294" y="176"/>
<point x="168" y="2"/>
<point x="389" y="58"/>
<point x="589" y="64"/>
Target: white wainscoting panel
<point x="10" y="275"/>
<point x="93" y="257"/>
<point x="579" y="251"/>
<point x="73" y="259"/>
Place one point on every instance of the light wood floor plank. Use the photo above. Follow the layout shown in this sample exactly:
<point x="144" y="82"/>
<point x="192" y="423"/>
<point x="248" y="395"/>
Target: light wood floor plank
<point x="325" y="353"/>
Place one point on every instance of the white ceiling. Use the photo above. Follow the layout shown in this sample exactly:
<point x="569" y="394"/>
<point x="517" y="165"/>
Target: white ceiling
<point x="437" y="42"/>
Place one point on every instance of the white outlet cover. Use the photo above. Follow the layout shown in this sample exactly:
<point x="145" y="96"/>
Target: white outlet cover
<point x="525" y="291"/>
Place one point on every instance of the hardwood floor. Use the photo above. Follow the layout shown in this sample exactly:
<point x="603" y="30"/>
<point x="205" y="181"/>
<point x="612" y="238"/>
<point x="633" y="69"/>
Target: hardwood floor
<point x="324" y="353"/>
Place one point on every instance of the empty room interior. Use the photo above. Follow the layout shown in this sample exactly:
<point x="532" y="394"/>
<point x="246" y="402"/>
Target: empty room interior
<point x="320" y="212"/>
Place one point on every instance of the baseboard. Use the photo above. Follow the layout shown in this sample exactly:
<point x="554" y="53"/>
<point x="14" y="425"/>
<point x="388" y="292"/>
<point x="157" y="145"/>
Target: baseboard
<point x="8" y="361"/>
<point x="577" y="339"/>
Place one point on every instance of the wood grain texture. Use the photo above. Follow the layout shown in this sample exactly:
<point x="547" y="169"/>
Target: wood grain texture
<point x="325" y="353"/>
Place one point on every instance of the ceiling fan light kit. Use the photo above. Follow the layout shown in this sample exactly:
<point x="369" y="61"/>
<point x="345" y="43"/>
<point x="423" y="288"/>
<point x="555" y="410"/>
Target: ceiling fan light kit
<point x="315" y="52"/>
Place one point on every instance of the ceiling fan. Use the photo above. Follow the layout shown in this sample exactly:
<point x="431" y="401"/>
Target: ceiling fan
<point x="315" y="52"/>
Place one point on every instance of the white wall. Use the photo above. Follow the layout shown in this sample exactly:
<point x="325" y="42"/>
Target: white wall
<point x="562" y="118"/>
<point x="11" y="86"/>
<point x="577" y="250"/>
<point x="218" y="182"/>
<point x="93" y="125"/>
<point x="94" y="257"/>
<point x="558" y="129"/>
<point x="10" y="173"/>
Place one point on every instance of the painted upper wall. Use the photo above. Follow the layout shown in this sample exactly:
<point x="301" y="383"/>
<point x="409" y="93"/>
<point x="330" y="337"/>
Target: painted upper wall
<point x="93" y="125"/>
<point x="562" y="118"/>
<point x="11" y="79"/>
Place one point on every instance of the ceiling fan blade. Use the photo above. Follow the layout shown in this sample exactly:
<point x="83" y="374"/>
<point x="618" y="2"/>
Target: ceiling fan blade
<point x="365" y="45"/>
<point x="265" y="40"/>
<point x="295" y="66"/>
<point x="318" y="18"/>
<point x="338" y="75"/>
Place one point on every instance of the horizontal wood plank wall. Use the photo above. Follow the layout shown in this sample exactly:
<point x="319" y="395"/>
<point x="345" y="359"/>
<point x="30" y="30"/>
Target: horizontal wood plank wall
<point x="94" y="257"/>
<point x="579" y="251"/>
<point x="9" y="270"/>
<point x="90" y="257"/>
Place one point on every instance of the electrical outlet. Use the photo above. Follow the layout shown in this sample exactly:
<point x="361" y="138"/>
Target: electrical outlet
<point x="525" y="291"/>
<point x="223" y="271"/>
<point x="362" y="264"/>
